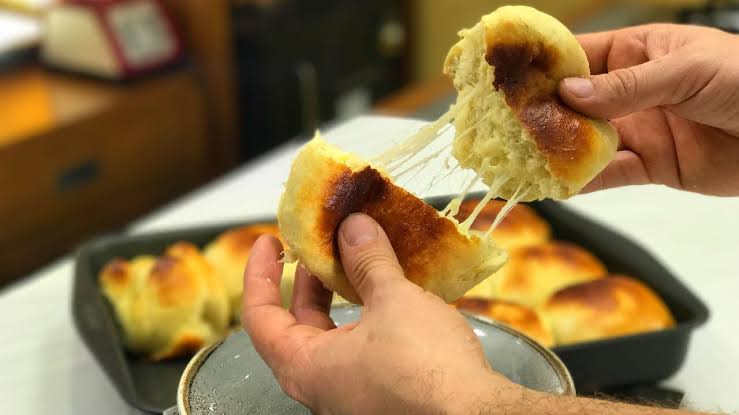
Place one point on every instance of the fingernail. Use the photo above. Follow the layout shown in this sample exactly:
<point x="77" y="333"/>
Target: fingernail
<point x="358" y="229"/>
<point x="579" y="87"/>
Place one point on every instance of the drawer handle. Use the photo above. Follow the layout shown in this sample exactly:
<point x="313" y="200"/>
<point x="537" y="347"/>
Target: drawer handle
<point x="78" y="176"/>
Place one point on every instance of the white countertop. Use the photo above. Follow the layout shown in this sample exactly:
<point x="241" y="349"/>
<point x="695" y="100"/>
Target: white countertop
<point x="45" y="368"/>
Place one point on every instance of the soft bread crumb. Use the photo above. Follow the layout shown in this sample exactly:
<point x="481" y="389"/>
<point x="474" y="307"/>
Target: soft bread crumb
<point x="516" y="126"/>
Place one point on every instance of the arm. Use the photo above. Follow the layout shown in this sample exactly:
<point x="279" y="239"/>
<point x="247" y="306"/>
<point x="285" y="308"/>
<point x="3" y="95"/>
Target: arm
<point x="536" y="403"/>
<point x="427" y="362"/>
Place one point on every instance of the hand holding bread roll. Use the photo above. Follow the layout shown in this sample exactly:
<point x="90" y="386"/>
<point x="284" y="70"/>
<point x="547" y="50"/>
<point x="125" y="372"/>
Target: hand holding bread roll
<point x="326" y="185"/>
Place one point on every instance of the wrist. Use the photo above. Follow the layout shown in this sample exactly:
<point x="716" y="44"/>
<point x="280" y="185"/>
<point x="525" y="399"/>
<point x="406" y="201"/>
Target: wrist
<point x="490" y="394"/>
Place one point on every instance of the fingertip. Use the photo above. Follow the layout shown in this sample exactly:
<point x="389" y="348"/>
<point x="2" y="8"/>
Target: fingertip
<point x="263" y="272"/>
<point x="577" y="87"/>
<point x="268" y="242"/>
<point x="266" y="249"/>
<point x="358" y="229"/>
<point x="579" y="94"/>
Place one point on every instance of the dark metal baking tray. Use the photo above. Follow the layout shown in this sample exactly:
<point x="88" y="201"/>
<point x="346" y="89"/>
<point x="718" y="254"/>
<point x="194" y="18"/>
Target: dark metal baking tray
<point x="595" y="365"/>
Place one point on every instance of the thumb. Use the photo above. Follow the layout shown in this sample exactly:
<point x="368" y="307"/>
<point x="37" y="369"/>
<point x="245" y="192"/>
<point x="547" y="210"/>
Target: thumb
<point x="628" y="90"/>
<point x="368" y="258"/>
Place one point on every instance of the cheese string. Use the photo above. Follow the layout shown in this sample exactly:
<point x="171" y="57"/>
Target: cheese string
<point x="399" y="154"/>
<point x="509" y="204"/>
<point x="493" y="191"/>
<point x="422" y="161"/>
<point x="426" y="135"/>
<point x="452" y="208"/>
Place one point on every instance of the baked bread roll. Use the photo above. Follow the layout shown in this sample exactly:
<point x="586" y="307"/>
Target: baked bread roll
<point x="167" y="307"/>
<point x="512" y="125"/>
<point x="228" y="255"/>
<point x="514" y="315"/>
<point x="533" y="273"/>
<point x="325" y="185"/>
<point x="614" y="306"/>
<point x="522" y="226"/>
<point x="121" y="281"/>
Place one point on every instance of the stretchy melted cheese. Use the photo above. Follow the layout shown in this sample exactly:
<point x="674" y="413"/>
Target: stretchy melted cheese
<point x="510" y="128"/>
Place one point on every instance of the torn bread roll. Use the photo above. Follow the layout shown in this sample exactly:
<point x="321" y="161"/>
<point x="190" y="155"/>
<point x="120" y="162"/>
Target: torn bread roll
<point x="513" y="128"/>
<point x="326" y="185"/>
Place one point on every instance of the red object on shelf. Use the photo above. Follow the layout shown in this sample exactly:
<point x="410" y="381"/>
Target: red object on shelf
<point x="115" y="39"/>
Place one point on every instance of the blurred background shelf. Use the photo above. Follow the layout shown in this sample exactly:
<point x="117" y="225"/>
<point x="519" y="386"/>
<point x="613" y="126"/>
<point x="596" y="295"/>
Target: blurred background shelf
<point x="78" y="157"/>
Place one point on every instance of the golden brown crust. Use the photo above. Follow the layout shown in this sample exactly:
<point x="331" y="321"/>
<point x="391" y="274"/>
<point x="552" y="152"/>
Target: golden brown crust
<point x="116" y="270"/>
<point x="564" y="253"/>
<point x="413" y="227"/>
<point x="613" y="306"/>
<point x="535" y="272"/>
<point x="514" y="315"/>
<point x="239" y="241"/>
<point x="173" y="283"/>
<point x="522" y="71"/>
<point x="115" y="277"/>
<point x="167" y="306"/>
<point x="595" y="295"/>
<point x="522" y="226"/>
<point x="186" y="345"/>
<point x="325" y="185"/>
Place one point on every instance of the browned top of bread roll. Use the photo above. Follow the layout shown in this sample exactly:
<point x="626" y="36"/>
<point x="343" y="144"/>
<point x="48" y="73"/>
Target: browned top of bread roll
<point x="514" y="315"/>
<point x="613" y="306"/>
<point x="533" y="273"/>
<point x="522" y="226"/>
<point x="237" y="242"/>
<point x="326" y="185"/>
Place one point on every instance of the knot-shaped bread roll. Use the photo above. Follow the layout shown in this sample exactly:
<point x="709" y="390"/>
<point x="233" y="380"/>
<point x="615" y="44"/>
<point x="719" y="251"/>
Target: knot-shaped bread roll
<point x="169" y="306"/>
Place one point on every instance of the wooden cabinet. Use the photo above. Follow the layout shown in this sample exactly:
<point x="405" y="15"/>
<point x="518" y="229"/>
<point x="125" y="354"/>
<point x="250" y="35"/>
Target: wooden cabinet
<point x="93" y="157"/>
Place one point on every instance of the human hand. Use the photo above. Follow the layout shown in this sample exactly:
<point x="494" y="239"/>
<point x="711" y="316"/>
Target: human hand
<point x="408" y="353"/>
<point x="672" y="91"/>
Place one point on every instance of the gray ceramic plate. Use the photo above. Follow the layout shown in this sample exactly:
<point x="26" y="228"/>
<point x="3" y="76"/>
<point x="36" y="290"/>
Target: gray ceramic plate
<point x="231" y="378"/>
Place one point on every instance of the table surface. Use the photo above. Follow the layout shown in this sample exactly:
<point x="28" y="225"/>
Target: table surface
<point x="47" y="369"/>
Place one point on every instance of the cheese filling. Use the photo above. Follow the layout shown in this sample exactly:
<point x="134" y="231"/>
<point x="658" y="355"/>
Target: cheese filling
<point x="452" y="208"/>
<point x="414" y="143"/>
<point x="396" y="158"/>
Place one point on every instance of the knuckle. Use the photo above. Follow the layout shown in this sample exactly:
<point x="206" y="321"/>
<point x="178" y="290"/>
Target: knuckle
<point x="624" y="84"/>
<point x="370" y="264"/>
